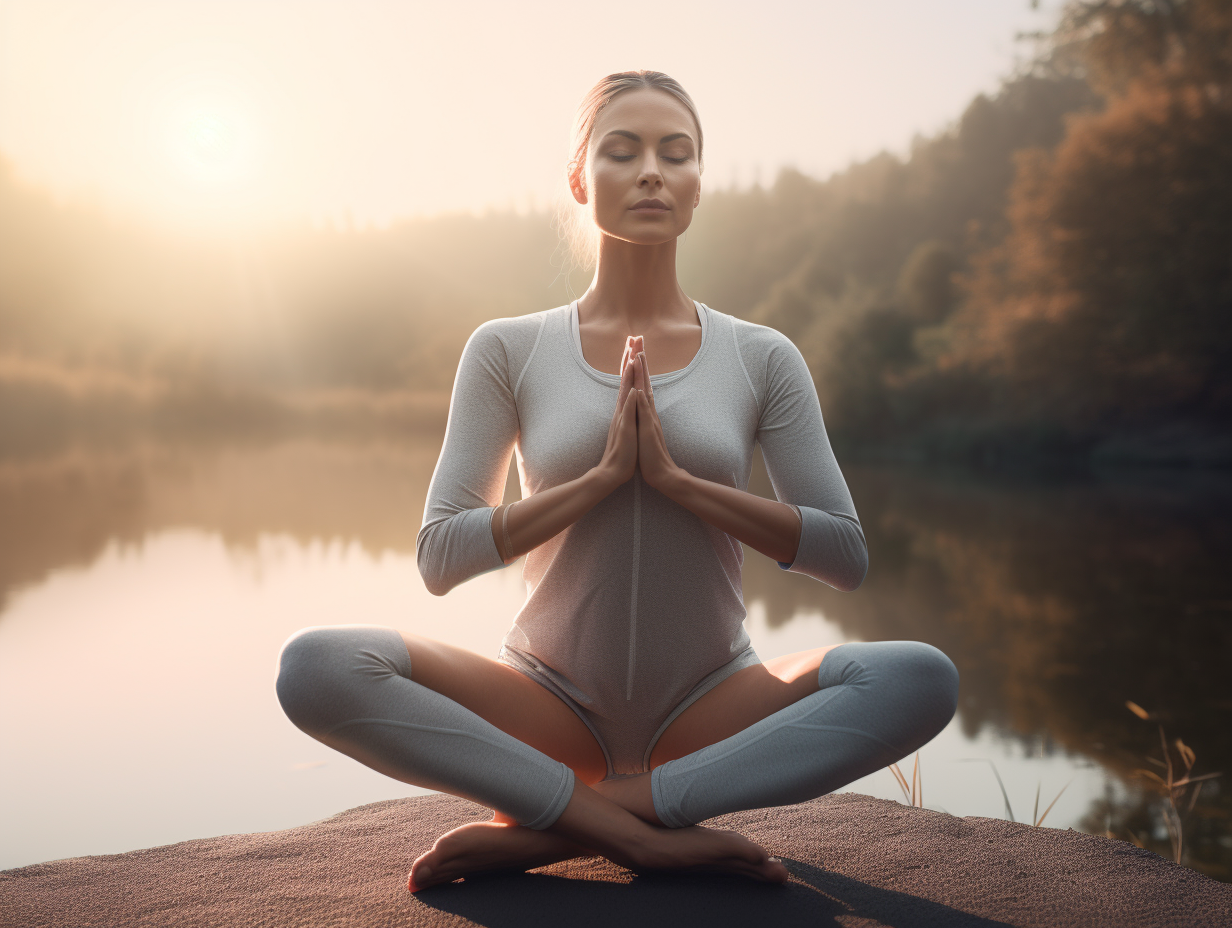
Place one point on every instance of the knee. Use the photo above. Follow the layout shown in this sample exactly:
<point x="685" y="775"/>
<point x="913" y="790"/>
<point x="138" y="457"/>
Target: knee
<point x="934" y="682"/>
<point x="319" y="669"/>
<point x="917" y="681"/>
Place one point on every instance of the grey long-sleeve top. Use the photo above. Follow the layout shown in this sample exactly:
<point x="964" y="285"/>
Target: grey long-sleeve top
<point x="639" y="585"/>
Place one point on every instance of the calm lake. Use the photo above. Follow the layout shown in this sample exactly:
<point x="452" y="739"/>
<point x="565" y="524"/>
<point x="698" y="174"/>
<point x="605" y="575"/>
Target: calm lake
<point x="145" y="593"/>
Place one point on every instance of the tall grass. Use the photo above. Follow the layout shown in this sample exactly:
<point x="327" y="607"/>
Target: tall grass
<point x="1180" y="792"/>
<point x="915" y="794"/>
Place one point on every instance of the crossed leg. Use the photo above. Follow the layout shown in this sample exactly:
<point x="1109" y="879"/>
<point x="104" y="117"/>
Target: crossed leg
<point x="522" y="708"/>
<point x="438" y="716"/>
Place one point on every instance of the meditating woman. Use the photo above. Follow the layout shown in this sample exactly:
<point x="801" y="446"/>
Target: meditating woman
<point x="626" y="704"/>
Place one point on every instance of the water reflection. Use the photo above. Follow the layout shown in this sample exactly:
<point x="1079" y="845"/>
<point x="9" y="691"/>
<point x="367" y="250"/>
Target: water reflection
<point x="146" y="592"/>
<point x="1059" y="602"/>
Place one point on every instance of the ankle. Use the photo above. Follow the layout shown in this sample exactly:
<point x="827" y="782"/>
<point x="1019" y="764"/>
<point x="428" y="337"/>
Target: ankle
<point x="632" y="794"/>
<point x="646" y="850"/>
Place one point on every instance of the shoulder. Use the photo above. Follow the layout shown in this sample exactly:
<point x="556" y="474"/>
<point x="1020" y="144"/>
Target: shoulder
<point x="765" y="351"/>
<point x="510" y="329"/>
<point x="511" y="337"/>
<point x="503" y="347"/>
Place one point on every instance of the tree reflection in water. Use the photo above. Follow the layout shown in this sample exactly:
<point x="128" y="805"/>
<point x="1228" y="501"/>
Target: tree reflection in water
<point x="1058" y="601"/>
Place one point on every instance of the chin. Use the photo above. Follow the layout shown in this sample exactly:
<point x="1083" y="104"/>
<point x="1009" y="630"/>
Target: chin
<point x="648" y="234"/>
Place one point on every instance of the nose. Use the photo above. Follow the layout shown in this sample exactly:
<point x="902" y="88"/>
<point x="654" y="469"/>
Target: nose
<point x="649" y="175"/>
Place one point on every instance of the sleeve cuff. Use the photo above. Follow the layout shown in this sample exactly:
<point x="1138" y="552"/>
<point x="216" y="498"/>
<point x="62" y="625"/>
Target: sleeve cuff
<point x="832" y="549"/>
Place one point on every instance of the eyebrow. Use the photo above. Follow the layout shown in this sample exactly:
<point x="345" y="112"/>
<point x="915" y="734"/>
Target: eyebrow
<point x="637" y="138"/>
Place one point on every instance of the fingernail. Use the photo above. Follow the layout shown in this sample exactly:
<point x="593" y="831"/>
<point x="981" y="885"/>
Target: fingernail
<point x="775" y="860"/>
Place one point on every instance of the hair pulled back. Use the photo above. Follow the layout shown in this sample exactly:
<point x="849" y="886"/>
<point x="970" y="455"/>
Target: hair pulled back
<point x="580" y="234"/>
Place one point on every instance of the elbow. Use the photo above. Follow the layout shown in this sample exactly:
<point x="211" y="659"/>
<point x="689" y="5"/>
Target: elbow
<point x="429" y="570"/>
<point x="856" y="561"/>
<point x="433" y="583"/>
<point x="435" y="587"/>
<point x="859" y="570"/>
<point x="832" y="550"/>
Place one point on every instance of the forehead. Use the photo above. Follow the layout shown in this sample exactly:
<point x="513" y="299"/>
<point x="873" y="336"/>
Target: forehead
<point x="648" y="111"/>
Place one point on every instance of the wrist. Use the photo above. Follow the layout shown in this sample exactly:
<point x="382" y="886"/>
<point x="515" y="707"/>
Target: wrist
<point x="601" y="480"/>
<point x="676" y="484"/>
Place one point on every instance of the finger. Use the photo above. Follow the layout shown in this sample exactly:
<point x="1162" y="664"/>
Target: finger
<point x="645" y="411"/>
<point x="651" y="415"/>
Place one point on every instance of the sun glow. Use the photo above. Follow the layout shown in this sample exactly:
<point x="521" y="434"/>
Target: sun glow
<point x="207" y="134"/>
<point x="210" y="139"/>
<point x="211" y="144"/>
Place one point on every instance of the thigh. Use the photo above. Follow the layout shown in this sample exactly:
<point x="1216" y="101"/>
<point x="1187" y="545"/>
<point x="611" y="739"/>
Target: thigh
<point x="511" y="701"/>
<point x="746" y="697"/>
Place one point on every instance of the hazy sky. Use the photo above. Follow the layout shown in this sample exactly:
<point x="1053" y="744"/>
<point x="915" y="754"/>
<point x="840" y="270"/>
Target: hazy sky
<point x="208" y="112"/>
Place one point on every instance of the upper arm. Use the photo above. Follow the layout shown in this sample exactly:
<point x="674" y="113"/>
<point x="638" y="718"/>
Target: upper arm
<point x="803" y="471"/>
<point x="455" y="539"/>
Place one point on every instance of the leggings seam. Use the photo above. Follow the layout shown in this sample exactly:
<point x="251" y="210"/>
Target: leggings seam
<point x="555" y="807"/>
<point x="766" y="734"/>
<point x="443" y="731"/>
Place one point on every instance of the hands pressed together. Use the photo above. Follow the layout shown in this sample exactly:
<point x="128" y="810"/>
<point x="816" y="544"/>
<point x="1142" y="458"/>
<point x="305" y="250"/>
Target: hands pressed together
<point x="635" y="435"/>
<point x="635" y="442"/>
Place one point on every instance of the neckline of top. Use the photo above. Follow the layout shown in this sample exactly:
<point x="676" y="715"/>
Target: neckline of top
<point x="613" y="380"/>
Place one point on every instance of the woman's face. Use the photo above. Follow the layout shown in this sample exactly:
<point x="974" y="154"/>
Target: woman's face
<point x="642" y="174"/>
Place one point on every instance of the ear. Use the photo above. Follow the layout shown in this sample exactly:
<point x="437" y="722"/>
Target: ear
<point x="697" y="198"/>
<point x="576" y="185"/>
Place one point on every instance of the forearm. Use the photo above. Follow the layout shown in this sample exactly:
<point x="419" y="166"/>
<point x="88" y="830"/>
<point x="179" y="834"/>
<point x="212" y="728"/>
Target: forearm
<point x="765" y="525"/>
<point x="548" y="513"/>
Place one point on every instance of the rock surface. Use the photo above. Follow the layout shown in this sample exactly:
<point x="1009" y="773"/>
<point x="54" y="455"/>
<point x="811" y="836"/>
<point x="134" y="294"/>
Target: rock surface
<point x="855" y="861"/>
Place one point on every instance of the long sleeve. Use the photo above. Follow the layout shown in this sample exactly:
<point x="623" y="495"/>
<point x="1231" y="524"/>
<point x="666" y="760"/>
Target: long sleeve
<point x="455" y="540"/>
<point x="804" y="473"/>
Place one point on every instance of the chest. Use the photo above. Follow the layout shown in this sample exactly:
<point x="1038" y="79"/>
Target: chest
<point x="665" y="351"/>
<point x="708" y="427"/>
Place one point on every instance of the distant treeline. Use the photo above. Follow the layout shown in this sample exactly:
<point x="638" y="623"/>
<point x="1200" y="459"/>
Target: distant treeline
<point x="1048" y="280"/>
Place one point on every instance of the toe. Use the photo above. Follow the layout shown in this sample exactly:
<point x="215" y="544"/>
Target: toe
<point x="422" y="874"/>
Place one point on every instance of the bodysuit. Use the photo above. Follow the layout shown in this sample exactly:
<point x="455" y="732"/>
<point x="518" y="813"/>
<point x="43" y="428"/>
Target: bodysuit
<point x="635" y="610"/>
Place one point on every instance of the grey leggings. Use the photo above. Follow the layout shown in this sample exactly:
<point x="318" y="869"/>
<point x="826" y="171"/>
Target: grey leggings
<point x="350" y="687"/>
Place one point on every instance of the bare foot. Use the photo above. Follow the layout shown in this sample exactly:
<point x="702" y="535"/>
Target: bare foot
<point x="711" y="850"/>
<point x="484" y="846"/>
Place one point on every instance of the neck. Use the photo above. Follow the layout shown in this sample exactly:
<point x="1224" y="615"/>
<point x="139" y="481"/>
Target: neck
<point x="635" y="286"/>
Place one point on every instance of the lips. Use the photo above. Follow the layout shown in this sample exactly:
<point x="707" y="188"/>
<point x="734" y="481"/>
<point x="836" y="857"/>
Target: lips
<point x="650" y="205"/>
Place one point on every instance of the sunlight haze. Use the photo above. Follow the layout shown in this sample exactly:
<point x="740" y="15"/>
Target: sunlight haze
<point x="369" y="112"/>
